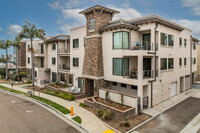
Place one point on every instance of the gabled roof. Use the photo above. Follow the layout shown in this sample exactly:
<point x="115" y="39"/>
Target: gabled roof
<point x="119" y="24"/>
<point x="98" y="7"/>
<point x="158" y="19"/>
<point x="59" y="38"/>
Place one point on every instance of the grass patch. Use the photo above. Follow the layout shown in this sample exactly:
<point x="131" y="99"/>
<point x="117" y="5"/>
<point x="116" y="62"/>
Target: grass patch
<point x="77" y="119"/>
<point x="49" y="102"/>
<point x="60" y="94"/>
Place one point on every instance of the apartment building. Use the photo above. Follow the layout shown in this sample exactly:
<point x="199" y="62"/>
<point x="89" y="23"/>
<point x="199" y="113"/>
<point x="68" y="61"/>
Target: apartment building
<point x="149" y="57"/>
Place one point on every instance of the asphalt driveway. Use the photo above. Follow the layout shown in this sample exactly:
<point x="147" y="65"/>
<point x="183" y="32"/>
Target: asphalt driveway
<point x="18" y="115"/>
<point x="174" y="119"/>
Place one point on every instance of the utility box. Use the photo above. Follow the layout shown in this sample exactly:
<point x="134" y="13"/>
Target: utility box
<point x="29" y="93"/>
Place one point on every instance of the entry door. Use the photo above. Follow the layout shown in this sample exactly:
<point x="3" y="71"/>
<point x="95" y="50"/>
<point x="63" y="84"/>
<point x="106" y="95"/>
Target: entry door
<point x="173" y="89"/>
<point x="147" y="41"/>
<point x="54" y="77"/>
<point x="79" y="82"/>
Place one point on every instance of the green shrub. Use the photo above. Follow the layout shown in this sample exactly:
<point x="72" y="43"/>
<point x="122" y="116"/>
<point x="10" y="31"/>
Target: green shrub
<point x="82" y="105"/>
<point x="62" y="95"/>
<point x="28" y="82"/>
<point x="107" y="114"/>
<point x="100" y="112"/>
<point x="77" y="119"/>
<point x="127" y="124"/>
<point x="23" y="74"/>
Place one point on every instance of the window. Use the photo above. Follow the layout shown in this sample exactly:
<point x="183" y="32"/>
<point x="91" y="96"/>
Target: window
<point x="92" y="24"/>
<point x="120" y="66"/>
<point x="53" y="46"/>
<point x="123" y="85"/>
<point x="70" y="79"/>
<point x="180" y="41"/>
<point x="163" y="64"/>
<point x="84" y="41"/>
<point x="185" y="61"/>
<point x="121" y="40"/>
<point x="114" y="83"/>
<point x="194" y="61"/>
<point x="28" y="60"/>
<point x="163" y="39"/>
<point x="42" y="49"/>
<point x="180" y="61"/>
<point x="75" y="62"/>
<point x="170" y="40"/>
<point x="134" y="87"/>
<point x="29" y="47"/>
<point x="194" y="46"/>
<point x="185" y="42"/>
<point x="35" y="74"/>
<point x="53" y="61"/>
<point x="42" y="62"/>
<point x="75" y="43"/>
<point x="62" y="77"/>
<point x="170" y="63"/>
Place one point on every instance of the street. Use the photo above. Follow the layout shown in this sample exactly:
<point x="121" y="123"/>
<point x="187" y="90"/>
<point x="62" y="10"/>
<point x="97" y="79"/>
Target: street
<point x="174" y="119"/>
<point x="22" y="116"/>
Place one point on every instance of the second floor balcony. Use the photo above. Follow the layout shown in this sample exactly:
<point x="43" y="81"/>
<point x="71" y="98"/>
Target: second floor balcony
<point x="64" y="67"/>
<point x="39" y="53"/>
<point x="64" y="52"/>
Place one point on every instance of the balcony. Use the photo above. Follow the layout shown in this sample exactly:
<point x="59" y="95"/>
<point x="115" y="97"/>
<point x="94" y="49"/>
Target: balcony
<point x="64" y="67"/>
<point x="39" y="53"/>
<point x="141" y="45"/>
<point x="131" y="74"/>
<point x="38" y="65"/>
<point x="64" y="52"/>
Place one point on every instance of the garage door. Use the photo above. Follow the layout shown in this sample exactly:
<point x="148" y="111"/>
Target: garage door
<point x="173" y="89"/>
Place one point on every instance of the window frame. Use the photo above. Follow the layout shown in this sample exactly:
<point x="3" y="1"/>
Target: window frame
<point x="122" y="67"/>
<point x="161" y="64"/>
<point x="75" y="43"/>
<point x="53" y="46"/>
<point x="170" y="68"/>
<point x="170" y="41"/>
<point x="53" y="61"/>
<point x="180" y="62"/>
<point x="194" y="61"/>
<point x="180" y="41"/>
<point x="92" y="24"/>
<point x="28" y="60"/>
<point x="122" y="40"/>
<point x="185" y="61"/>
<point x="165" y="39"/>
<point x="77" y="62"/>
<point x="185" y="42"/>
<point x="84" y="39"/>
<point x="194" y="46"/>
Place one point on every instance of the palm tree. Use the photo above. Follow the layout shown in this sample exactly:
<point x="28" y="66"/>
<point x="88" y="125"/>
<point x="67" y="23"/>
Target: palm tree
<point x="6" y="45"/>
<point x="29" y="31"/>
<point x="16" y="45"/>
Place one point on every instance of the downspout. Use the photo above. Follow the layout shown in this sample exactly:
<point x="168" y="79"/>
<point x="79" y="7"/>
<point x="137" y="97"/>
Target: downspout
<point x="151" y="81"/>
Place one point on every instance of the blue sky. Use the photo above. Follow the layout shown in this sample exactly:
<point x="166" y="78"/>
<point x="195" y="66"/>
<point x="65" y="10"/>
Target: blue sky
<point x="58" y="16"/>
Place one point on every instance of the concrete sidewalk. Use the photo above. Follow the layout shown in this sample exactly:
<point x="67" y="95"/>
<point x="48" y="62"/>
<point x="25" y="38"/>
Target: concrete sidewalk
<point x="89" y="120"/>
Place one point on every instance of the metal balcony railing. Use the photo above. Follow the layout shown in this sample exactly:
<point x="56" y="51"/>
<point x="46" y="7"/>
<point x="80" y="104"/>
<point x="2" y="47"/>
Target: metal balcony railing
<point x="141" y="45"/>
<point x="132" y="74"/>
<point x="64" y="67"/>
<point x="39" y="51"/>
<point x="64" y="51"/>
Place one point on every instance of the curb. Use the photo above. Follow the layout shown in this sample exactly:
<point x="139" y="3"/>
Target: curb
<point x="46" y="105"/>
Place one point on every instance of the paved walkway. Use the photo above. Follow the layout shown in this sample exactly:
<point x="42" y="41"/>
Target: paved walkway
<point x="89" y="120"/>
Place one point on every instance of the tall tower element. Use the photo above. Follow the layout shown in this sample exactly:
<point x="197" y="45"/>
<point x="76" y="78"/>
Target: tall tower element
<point x="96" y="17"/>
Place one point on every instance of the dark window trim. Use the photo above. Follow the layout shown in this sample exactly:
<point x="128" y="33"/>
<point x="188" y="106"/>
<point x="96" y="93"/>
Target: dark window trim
<point x="73" y="62"/>
<point x="122" y="40"/>
<point x="73" y="42"/>
<point x="122" y="65"/>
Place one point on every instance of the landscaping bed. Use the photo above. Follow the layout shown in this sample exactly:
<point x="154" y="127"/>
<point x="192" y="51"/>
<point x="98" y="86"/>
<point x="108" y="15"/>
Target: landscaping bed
<point x="117" y="113"/>
<point x="112" y="104"/>
<point x="122" y="125"/>
<point x="60" y="94"/>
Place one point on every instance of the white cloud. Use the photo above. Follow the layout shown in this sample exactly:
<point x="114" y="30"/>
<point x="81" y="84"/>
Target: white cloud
<point x="56" y="5"/>
<point x="144" y="2"/>
<point x="74" y="14"/>
<point x="67" y="5"/>
<point x="125" y="13"/>
<point x="1" y="29"/>
<point x="66" y="27"/>
<point x="126" y="4"/>
<point x="193" y="4"/>
<point x="192" y="24"/>
<point x="73" y="3"/>
<point x="14" y="29"/>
